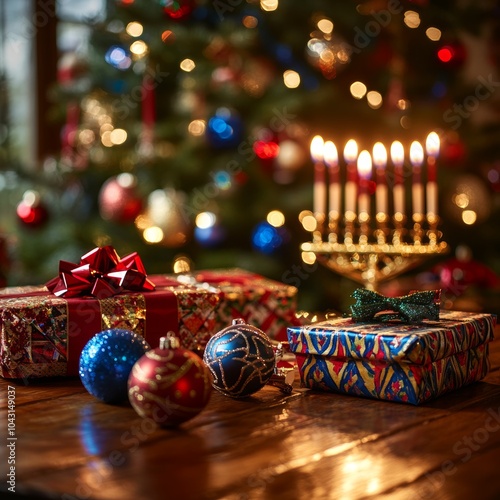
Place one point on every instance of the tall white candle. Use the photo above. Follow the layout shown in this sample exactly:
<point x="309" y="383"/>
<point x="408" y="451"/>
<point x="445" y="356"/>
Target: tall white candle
<point x="331" y="158"/>
<point x="416" y="159"/>
<point x="351" y="188"/>
<point x="317" y="145"/>
<point x="365" y="173"/>
<point x="432" y="146"/>
<point x="398" y="158"/>
<point x="381" y="193"/>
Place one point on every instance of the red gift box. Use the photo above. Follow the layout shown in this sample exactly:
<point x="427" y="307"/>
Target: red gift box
<point x="261" y="302"/>
<point x="43" y="334"/>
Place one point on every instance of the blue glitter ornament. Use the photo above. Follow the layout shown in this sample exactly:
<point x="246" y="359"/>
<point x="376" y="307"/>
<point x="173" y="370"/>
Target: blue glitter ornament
<point x="241" y="359"/>
<point x="106" y="362"/>
<point x="224" y="129"/>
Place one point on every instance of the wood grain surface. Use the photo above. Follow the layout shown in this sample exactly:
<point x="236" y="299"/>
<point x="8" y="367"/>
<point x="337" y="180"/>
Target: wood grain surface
<point x="306" y="445"/>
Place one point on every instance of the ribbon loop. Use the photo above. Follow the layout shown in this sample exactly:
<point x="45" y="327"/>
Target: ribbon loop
<point x="101" y="273"/>
<point x="411" y="308"/>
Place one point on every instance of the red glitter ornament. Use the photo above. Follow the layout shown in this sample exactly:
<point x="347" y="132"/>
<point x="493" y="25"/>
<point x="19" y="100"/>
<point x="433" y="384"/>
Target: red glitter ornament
<point x="169" y="384"/>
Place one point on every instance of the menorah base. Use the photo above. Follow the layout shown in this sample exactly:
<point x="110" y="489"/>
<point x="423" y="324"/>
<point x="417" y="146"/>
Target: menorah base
<point x="371" y="264"/>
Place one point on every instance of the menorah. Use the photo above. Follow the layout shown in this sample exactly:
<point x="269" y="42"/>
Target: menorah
<point x="345" y="236"/>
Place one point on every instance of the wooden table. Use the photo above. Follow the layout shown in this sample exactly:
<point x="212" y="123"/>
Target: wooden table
<point x="305" y="445"/>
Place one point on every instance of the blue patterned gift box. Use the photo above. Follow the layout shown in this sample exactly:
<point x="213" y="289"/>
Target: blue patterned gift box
<point x="409" y="363"/>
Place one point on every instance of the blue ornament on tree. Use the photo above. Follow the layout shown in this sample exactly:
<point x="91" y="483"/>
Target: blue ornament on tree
<point x="224" y="129"/>
<point x="106" y="362"/>
<point x="241" y="359"/>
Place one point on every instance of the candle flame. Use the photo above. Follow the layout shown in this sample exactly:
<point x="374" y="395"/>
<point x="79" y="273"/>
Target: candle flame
<point x="379" y="155"/>
<point x="365" y="164"/>
<point x="416" y="153"/>
<point x="397" y="153"/>
<point x="330" y="153"/>
<point x="432" y="144"/>
<point x="317" y="145"/>
<point x="350" y="151"/>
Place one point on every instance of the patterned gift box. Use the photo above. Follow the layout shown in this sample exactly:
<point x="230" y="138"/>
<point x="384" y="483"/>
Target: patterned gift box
<point x="43" y="335"/>
<point x="408" y="363"/>
<point x="261" y="302"/>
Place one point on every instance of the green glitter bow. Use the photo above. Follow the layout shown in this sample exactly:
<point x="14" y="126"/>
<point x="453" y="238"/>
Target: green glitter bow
<point x="412" y="308"/>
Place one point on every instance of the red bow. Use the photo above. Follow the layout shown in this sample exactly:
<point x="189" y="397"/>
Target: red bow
<point x="101" y="273"/>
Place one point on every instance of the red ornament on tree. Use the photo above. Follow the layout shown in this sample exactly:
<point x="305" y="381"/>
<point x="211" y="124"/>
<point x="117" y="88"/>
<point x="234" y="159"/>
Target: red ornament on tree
<point x="178" y="9"/>
<point x="30" y="211"/>
<point x="118" y="199"/>
<point x="169" y="384"/>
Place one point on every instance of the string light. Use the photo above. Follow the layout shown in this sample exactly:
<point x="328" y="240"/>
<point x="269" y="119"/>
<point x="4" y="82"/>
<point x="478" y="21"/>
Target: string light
<point x="374" y="99"/>
<point x="187" y="65"/>
<point x="358" y="90"/>
<point x="268" y="5"/>
<point x="275" y="218"/>
<point x="291" y="79"/>
<point x="412" y="19"/>
<point x="134" y="29"/>
<point x="433" y="34"/>
<point x="139" y="48"/>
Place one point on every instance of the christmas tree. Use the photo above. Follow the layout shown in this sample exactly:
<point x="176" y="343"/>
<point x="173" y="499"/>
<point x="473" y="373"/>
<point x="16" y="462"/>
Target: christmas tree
<point x="186" y="132"/>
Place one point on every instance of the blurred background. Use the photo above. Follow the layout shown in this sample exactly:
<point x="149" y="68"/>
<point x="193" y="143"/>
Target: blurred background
<point x="181" y="130"/>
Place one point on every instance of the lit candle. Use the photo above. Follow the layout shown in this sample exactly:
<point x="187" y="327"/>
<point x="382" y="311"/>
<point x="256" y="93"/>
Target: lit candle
<point x="317" y="145"/>
<point x="432" y="148"/>
<point x="380" y="162"/>
<point x="350" y="156"/>
<point x="416" y="159"/>
<point x="365" y="173"/>
<point x="331" y="158"/>
<point x="398" y="158"/>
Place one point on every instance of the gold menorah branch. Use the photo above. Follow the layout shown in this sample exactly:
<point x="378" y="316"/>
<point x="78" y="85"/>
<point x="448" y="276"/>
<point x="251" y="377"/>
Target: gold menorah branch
<point x="371" y="257"/>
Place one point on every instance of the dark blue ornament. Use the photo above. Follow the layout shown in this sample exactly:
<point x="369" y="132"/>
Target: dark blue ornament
<point x="106" y="362"/>
<point x="241" y="359"/>
<point x="224" y="129"/>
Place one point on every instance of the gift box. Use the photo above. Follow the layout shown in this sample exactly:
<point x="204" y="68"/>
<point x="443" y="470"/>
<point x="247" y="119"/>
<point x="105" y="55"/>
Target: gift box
<point x="261" y="302"/>
<point x="409" y="363"/>
<point x="42" y="334"/>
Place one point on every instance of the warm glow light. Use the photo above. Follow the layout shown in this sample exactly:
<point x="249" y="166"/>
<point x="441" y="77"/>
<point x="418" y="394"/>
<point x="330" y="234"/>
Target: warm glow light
<point x="106" y="139"/>
<point x="291" y="79"/>
<point x="365" y="165"/>
<point x="309" y="222"/>
<point x="250" y="22"/>
<point x="152" y="234"/>
<point x="134" y="29"/>
<point x="317" y="145"/>
<point x="126" y="180"/>
<point x="350" y="151"/>
<point x="268" y="5"/>
<point x="374" y="99"/>
<point x="358" y="90"/>
<point x="469" y="217"/>
<point x="325" y="25"/>
<point x="139" y="48"/>
<point x="205" y="220"/>
<point x="412" y="19"/>
<point x="330" y="154"/>
<point x="433" y="34"/>
<point x="416" y="153"/>
<point x="379" y="155"/>
<point x="397" y="153"/>
<point x="308" y="257"/>
<point x="187" y="65"/>
<point x="403" y="104"/>
<point x="276" y="218"/>
<point x="432" y="144"/>
<point x="461" y="200"/>
<point x="118" y="136"/>
<point x="197" y="127"/>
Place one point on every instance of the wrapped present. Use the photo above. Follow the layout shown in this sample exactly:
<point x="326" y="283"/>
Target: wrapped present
<point x="261" y="302"/>
<point x="395" y="361"/>
<point x="44" y="329"/>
